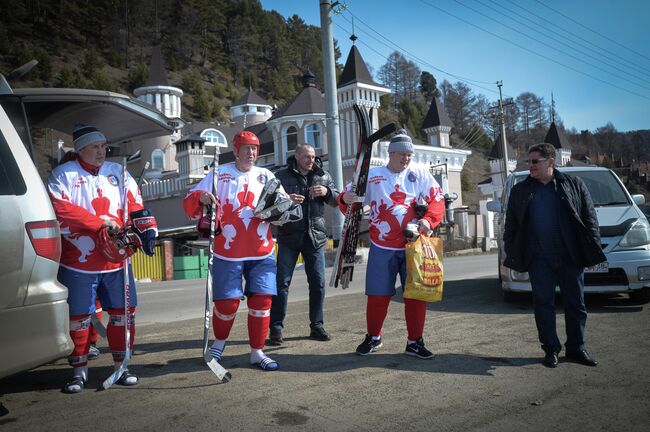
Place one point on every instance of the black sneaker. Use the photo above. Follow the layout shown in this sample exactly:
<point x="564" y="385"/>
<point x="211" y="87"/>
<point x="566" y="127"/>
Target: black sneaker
<point x="369" y="345"/>
<point x="275" y="338"/>
<point x="417" y="349"/>
<point x="319" y="334"/>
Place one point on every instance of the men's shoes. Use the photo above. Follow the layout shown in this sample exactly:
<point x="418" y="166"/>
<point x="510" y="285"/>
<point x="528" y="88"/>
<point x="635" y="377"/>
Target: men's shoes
<point x="319" y="334"/>
<point x="369" y="345"/>
<point x="550" y="359"/>
<point x="275" y="338"/>
<point x="417" y="349"/>
<point x="581" y="357"/>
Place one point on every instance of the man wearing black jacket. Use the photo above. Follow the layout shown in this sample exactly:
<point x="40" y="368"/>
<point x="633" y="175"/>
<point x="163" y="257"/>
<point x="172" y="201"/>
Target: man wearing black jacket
<point x="551" y="232"/>
<point x="308" y="184"/>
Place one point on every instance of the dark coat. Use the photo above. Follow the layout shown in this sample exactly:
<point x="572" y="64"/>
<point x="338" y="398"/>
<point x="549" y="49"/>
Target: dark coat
<point x="293" y="181"/>
<point x="578" y="207"/>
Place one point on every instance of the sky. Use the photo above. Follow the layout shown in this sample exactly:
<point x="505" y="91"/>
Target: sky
<point x="592" y="55"/>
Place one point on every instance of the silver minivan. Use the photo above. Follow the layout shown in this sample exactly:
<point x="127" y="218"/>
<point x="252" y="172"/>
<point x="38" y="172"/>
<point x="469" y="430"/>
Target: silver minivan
<point x="33" y="306"/>
<point x="624" y="232"/>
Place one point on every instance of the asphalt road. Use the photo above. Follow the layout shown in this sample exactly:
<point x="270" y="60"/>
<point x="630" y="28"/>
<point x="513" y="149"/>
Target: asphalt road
<point x="486" y="375"/>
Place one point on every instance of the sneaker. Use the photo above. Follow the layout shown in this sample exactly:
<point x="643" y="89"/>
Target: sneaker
<point x="417" y="349"/>
<point x="369" y="345"/>
<point x="319" y="334"/>
<point x="275" y="338"/>
<point x="76" y="385"/>
<point x="93" y="352"/>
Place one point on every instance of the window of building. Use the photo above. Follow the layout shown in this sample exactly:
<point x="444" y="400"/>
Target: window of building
<point x="214" y="136"/>
<point x="313" y="135"/>
<point x="158" y="159"/>
<point x="291" y="138"/>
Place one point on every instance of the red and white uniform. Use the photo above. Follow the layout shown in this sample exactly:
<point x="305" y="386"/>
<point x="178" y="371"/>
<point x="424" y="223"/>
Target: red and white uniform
<point x="82" y="202"/>
<point x="392" y="197"/>
<point x="243" y="237"/>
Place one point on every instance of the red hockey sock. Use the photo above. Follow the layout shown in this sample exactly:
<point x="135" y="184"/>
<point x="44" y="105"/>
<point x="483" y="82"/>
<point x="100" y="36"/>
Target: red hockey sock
<point x="415" y="311"/>
<point x="259" y="318"/>
<point x="115" y="332"/>
<point x="224" y="317"/>
<point x="80" y="335"/>
<point x="94" y="335"/>
<point x="376" y="311"/>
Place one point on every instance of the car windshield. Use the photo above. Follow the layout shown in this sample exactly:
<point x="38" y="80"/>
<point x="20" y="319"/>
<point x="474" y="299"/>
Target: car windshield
<point x="604" y="188"/>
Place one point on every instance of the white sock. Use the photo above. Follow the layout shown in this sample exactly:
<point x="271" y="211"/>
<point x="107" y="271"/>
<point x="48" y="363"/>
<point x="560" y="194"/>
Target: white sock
<point x="376" y="338"/>
<point x="257" y="355"/>
<point x="132" y="379"/>
<point x="81" y="372"/>
<point x="410" y="342"/>
<point x="217" y="348"/>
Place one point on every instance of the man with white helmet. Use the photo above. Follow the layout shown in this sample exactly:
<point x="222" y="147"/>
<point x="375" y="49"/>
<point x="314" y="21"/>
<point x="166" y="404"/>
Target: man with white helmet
<point x="392" y="193"/>
<point x="89" y="196"/>
<point x="244" y="248"/>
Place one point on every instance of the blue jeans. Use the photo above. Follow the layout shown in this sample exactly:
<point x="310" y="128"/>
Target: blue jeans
<point x="544" y="277"/>
<point x="314" y="260"/>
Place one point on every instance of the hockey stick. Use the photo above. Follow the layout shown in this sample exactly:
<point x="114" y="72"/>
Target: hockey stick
<point x="115" y="376"/>
<point x="97" y="323"/>
<point x="222" y="374"/>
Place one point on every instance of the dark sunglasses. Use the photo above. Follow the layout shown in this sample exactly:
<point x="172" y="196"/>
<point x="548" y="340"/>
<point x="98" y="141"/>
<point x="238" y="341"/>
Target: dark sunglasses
<point x="535" y="161"/>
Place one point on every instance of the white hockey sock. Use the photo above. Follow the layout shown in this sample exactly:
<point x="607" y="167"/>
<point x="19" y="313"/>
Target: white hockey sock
<point x="257" y="355"/>
<point x="81" y="372"/>
<point x="217" y="349"/>
<point x="376" y="338"/>
<point x="410" y="342"/>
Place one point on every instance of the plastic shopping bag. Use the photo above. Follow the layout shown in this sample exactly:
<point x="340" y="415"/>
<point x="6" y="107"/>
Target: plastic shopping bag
<point x="424" y="272"/>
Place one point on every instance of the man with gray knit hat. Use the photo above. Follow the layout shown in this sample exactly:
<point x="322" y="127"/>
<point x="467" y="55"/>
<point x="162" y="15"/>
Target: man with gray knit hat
<point x="392" y="192"/>
<point x="88" y="195"/>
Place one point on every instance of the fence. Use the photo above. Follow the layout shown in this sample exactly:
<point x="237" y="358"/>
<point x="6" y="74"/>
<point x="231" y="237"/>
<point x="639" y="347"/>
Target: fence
<point x="146" y="267"/>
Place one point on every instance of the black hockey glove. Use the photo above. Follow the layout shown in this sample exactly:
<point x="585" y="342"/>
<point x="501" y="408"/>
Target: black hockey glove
<point x="145" y="228"/>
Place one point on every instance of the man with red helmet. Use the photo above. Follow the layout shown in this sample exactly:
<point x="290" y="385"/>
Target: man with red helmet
<point x="244" y="248"/>
<point x="88" y="195"/>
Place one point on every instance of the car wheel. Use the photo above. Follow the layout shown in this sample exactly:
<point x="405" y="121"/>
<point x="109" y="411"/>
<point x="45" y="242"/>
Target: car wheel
<point x="641" y="295"/>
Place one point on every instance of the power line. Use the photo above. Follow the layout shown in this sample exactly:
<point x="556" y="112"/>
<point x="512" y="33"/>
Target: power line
<point x="549" y="46"/>
<point x="536" y="53"/>
<point x="593" y="31"/>
<point x="549" y="36"/>
<point x="642" y="69"/>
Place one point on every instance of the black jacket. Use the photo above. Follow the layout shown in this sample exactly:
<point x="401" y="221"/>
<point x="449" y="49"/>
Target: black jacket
<point x="578" y="207"/>
<point x="314" y="209"/>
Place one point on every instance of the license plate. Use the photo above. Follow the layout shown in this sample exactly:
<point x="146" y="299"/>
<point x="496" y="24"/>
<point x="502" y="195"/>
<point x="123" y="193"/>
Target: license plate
<point x="603" y="267"/>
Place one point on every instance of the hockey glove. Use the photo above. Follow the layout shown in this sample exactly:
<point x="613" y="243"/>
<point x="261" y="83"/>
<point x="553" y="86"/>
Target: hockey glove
<point x="145" y="228"/>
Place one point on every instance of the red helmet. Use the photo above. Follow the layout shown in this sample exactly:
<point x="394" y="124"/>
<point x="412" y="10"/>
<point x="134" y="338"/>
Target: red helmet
<point x="117" y="247"/>
<point x="245" y="138"/>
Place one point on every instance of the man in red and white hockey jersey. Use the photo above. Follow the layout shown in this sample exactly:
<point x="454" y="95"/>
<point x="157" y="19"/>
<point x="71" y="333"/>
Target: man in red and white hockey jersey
<point x="244" y="248"/>
<point x="392" y="192"/>
<point x="88" y="195"/>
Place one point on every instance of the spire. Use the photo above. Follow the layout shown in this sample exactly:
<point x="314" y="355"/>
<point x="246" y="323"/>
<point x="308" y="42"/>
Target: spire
<point x="157" y="73"/>
<point x="355" y="70"/>
<point x="556" y="137"/>
<point x="308" y="79"/>
<point x="437" y="116"/>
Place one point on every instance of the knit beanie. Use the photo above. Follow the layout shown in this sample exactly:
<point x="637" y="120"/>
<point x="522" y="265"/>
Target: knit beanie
<point x="84" y="135"/>
<point x="401" y="142"/>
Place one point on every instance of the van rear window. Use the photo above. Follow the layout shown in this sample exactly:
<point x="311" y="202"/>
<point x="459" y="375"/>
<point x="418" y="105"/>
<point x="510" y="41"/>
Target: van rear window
<point x="11" y="181"/>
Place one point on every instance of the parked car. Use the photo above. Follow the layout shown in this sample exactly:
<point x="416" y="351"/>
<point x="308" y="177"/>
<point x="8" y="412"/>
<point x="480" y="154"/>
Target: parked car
<point x="624" y="232"/>
<point x="33" y="307"/>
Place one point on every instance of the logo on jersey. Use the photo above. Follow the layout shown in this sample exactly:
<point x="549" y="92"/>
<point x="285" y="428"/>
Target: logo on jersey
<point x="262" y="178"/>
<point x="412" y="177"/>
<point x="112" y="179"/>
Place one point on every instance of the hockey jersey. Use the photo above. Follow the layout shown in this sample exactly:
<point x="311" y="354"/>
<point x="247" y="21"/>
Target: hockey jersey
<point x="243" y="237"/>
<point x="82" y="202"/>
<point x="392" y="197"/>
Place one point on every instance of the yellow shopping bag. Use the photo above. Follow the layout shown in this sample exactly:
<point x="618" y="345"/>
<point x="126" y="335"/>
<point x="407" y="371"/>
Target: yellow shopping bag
<point x="424" y="271"/>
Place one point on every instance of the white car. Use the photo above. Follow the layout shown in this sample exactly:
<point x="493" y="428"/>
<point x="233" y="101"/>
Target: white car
<point x="33" y="305"/>
<point x="624" y="232"/>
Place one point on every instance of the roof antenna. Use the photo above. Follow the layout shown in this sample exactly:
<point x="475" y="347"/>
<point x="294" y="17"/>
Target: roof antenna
<point x="552" y="109"/>
<point x="353" y="37"/>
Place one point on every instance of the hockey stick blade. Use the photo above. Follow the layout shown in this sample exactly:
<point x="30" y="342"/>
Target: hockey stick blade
<point x="115" y="376"/>
<point x="386" y="130"/>
<point x="99" y="326"/>
<point x="222" y="374"/>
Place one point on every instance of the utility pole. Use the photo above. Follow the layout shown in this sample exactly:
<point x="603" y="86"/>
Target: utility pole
<point x="504" y="142"/>
<point x="332" y="115"/>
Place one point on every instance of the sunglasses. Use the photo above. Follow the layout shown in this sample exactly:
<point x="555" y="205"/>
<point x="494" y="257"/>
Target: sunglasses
<point x="535" y="161"/>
